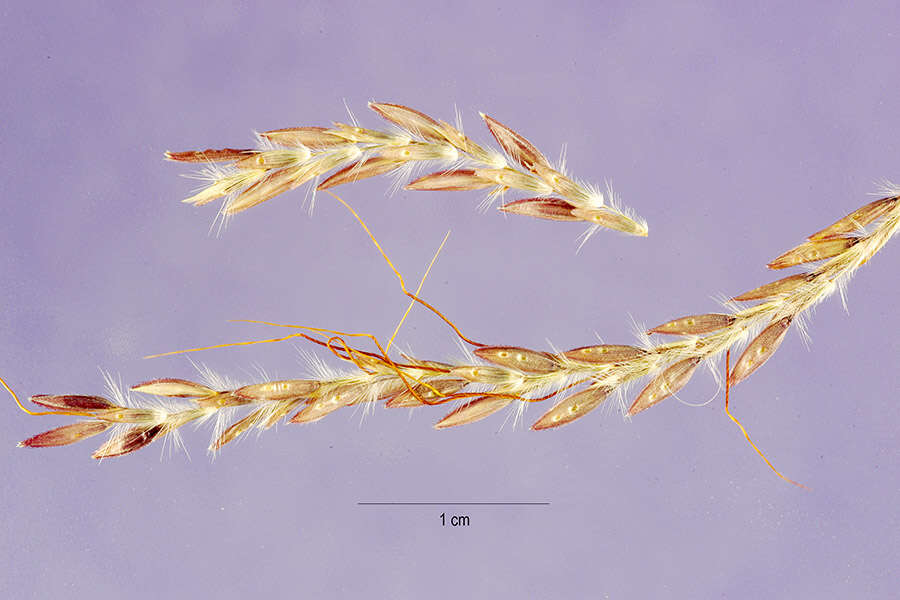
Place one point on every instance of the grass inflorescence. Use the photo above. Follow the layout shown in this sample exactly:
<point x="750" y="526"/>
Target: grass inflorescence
<point x="574" y="382"/>
<point x="330" y="156"/>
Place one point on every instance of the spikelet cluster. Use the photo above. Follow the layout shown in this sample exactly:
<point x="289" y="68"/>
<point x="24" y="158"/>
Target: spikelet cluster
<point x="575" y="381"/>
<point x="289" y="158"/>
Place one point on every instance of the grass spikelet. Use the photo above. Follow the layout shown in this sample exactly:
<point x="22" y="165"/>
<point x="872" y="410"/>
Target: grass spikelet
<point x="421" y="394"/>
<point x="521" y="359"/>
<point x="368" y="167"/>
<point x="273" y="159"/>
<point x="572" y="407"/>
<point x="278" y="390"/>
<point x="516" y="146"/>
<point x="209" y="155"/>
<point x="695" y="324"/>
<point x="316" y="138"/>
<point x="553" y="209"/>
<point x="759" y="350"/>
<point x="271" y="185"/>
<point x="416" y="123"/>
<point x="610" y="218"/>
<point x="173" y="388"/>
<point x="812" y="252"/>
<point x="133" y="439"/>
<point x="780" y="287"/>
<point x="455" y="180"/>
<point x="318" y="409"/>
<point x="74" y="402"/>
<point x="67" y="434"/>
<point x="223" y="184"/>
<point x="473" y="411"/>
<point x="238" y="428"/>
<point x="858" y="219"/>
<point x="665" y="384"/>
<point x="604" y="354"/>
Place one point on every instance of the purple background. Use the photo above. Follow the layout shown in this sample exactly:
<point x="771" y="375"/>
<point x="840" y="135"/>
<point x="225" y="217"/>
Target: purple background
<point x="735" y="132"/>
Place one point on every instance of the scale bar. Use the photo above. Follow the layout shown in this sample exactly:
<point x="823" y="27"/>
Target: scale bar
<point x="453" y="504"/>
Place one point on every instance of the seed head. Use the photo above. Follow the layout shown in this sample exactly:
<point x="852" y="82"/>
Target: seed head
<point x="304" y="137"/>
<point x="553" y="209"/>
<point x="458" y="180"/>
<point x="133" y="439"/>
<point x="444" y="387"/>
<point x="665" y="384"/>
<point x="858" y="219"/>
<point x="278" y="390"/>
<point x="236" y="429"/>
<point x="812" y="252"/>
<point x="604" y="354"/>
<point x="695" y="324"/>
<point x="776" y="288"/>
<point x="367" y="167"/>
<point x="565" y="186"/>
<point x="173" y="388"/>
<point x="328" y="402"/>
<point x="572" y="407"/>
<point x="418" y="151"/>
<point x="67" y="434"/>
<point x="510" y="178"/>
<point x="759" y="350"/>
<point x="522" y="359"/>
<point x="515" y="145"/>
<point x="413" y="121"/>
<point x="273" y="159"/>
<point x="209" y="155"/>
<point x="472" y="411"/>
<point x="74" y="402"/>
<point x="268" y="187"/>
<point x="611" y="220"/>
<point x="479" y="374"/>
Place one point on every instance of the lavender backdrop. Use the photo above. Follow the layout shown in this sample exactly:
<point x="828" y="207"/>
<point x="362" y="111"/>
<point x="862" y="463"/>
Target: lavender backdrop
<point x="735" y="132"/>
